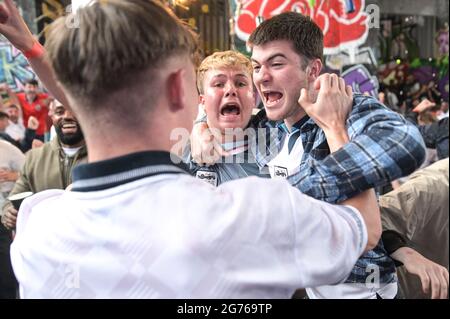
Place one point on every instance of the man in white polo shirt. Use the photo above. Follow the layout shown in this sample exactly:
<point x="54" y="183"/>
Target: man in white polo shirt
<point x="136" y="225"/>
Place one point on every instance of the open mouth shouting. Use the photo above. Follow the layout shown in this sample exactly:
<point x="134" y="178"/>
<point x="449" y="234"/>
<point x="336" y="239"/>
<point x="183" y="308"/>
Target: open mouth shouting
<point x="230" y="111"/>
<point x="271" y="98"/>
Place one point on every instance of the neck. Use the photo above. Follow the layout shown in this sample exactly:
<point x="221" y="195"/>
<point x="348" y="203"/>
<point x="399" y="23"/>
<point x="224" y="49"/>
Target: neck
<point x="30" y="97"/>
<point x="100" y="149"/>
<point x="299" y="112"/>
<point x="291" y="120"/>
<point x="79" y="144"/>
<point x="107" y="143"/>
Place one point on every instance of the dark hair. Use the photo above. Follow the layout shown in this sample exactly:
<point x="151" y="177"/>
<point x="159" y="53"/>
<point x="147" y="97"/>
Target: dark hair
<point x="305" y="34"/>
<point x="32" y="82"/>
<point x="3" y="115"/>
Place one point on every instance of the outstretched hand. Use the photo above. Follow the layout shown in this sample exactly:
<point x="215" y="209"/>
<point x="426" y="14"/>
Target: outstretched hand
<point x="434" y="278"/>
<point x="14" y="28"/>
<point x="205" y="145"/>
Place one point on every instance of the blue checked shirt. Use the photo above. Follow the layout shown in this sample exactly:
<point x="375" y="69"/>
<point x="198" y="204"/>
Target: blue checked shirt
<point x="383" y="147"/>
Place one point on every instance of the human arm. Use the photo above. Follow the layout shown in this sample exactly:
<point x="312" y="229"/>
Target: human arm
<point x="12" y="96"/>
<point x="433" y="133"/>
<point x="324" y="240"/>
<point x="7" y="175"/>
<point x="383" y="147"/>
<point x="434" y="277"/>
<point x="14" y="28"/>
<point x="30" y="133"/>
<point x="9" y="213"/>
<point x="430" y="273"/>
<point x="414" y="216"/>
<point x="330" y="112"/>
<point x="204" y="142"/>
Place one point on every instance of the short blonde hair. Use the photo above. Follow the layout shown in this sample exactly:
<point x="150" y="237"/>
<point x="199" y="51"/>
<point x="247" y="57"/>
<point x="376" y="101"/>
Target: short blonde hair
<point x="222" y="60"/>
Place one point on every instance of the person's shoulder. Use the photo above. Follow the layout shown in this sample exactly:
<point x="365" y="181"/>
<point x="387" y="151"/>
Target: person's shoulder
<point x="365" y="107"/>
<point x="364" y="101"/>
<point x="42" y="96"/>
<point x="20" y="96"/>
<point x="6" y="146"/>
<point x="38" y="152"/>
<point x="36" y="206"/>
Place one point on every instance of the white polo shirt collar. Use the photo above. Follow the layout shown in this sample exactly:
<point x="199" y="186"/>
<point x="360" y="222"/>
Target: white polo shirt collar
<point x="121" y="170"/>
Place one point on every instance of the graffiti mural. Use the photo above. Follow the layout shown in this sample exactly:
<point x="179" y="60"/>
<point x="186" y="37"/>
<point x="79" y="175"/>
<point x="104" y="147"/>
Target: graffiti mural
<point x="14" y="68"/>
<point x="344" y="28"/>
<point x="361" y="80"/>
<point x="47" y="12"/>
<point x="363" y="56"/>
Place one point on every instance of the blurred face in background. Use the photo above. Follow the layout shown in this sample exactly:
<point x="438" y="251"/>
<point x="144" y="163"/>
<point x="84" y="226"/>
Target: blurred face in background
<point x="31" y="91"/>
<point x="13" y="112"/>
<point x="66" y="125"/>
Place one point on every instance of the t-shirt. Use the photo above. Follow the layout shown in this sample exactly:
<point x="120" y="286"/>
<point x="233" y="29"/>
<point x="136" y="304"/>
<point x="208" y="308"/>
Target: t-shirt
<point x="11" y="158"/>
<point x="37" y="108"/>
<point x="149" y="230"/>
<point x="16" y="130"/>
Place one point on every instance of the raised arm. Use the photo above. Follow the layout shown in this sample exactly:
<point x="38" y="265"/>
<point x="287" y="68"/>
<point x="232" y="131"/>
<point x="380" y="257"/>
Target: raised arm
<point x="330" y="112"/>
<point x="383" y="146"/>
<point x="14" y="28"/>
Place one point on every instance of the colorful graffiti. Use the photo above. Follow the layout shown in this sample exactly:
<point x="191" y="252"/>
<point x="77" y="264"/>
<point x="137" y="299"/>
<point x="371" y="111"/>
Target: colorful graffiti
<point x="343" y="29"/>
<point x="14" y="68"/>
<point x="49" y="11"/>
<point x="363" y="55"/>
<point x="361" y="80"/>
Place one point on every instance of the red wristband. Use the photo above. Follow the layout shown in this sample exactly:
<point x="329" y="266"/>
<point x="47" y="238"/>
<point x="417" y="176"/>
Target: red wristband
<point x="36" y="51"/>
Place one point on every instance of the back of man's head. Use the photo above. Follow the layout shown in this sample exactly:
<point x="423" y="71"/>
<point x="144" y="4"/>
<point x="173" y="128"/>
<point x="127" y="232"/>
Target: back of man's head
<point x="304" y="34"/>
<point x="118" y="48"/>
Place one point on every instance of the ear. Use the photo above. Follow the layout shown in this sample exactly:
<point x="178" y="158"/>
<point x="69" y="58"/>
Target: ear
<point x="175" y="90"/>
<point x="201" y="102"/>
<point x="314" y="69"/>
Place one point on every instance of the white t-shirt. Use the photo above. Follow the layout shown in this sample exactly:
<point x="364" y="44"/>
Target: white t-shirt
<point x="287" y="162"/>
<point x="174" y="236"/>
<point x="71" y="151"/>
<point x="16" y="131"/>
<point x="11" y="158"/>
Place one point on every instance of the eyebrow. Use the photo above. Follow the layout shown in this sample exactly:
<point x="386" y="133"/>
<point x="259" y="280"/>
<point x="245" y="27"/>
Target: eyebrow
<point x="237" y="75"/>
<point x="273" y="56"/>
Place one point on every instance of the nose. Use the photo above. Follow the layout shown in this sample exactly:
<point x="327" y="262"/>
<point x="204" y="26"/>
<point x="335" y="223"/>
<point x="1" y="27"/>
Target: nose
<point x="68" y="114"/>
<point x="262" y="76"/>
<point x="230" y="90"/>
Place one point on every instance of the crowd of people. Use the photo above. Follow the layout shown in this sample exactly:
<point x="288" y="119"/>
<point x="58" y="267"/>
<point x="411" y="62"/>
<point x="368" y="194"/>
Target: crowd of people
<point x="277" y="203"/>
